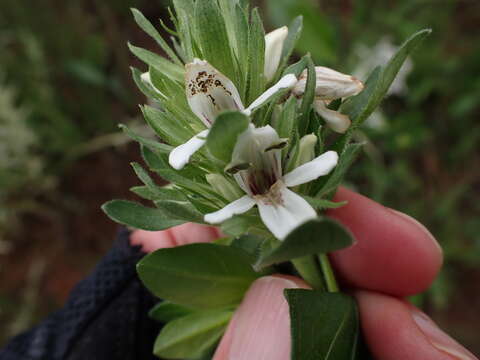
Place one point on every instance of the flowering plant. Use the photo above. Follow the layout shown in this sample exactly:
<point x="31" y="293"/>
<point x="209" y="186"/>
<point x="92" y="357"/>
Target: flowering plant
<point x="258" y="146"/>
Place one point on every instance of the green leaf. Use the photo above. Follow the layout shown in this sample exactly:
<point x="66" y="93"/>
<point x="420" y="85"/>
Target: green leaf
<point x="328" y="184"/>
<point x="249" y="243"/>
<point x="145" y="192"/>
<point x="242" y="30"/>
<point x="165" y="126"/>
<point x="298" y="67"/>
<point x="308" y="98"/>
<point x="322" y="204"/>
<point x="192" y="335"/>
<point x="294" y="32"/>
<point x="256" y="58"/>
<point x="285" y="122"/>
<point x="146" y="90"/>
<point x="180" y="211"/>
<point x="138" y="216"/>
<point x="143" y="175"/>
<point x="212" y="37"/>
<point x="173" y="71"/>
<point x="241" y="224"/>
<point x="318" y="236"/>
<point x="190" y="177"/>
<point x="204" y="276"/>
<point x="324" y="325"/>
<point x="185" y="24"/>
<point x="147" y="26"/>
<point x="158" y="193"/>
<point x="151" y="144"/>
<point x="224" y="133"/>
<point x="165" y="312"/>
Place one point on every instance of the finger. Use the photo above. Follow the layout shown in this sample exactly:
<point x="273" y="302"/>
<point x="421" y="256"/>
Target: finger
<point x="260" y="328"/>
<point x="179" y="235"/>
<point x="394" y="254"/>
<point x="397" y="330"/>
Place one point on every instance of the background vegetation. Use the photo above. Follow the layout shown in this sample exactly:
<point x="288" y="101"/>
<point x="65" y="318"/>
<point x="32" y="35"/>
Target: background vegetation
<point x="65" y="85"/>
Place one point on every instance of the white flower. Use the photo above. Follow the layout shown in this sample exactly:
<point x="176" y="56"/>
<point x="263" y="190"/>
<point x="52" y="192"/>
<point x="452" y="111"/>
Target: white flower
<point x="258" y="155"/>
<point x="330" y="85"/>
<point x="209" y="93"/>
<point x="273" y="51"/>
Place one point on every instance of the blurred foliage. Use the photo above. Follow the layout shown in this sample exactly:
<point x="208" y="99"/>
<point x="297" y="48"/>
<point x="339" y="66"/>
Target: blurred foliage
<point x="65" y="83"/>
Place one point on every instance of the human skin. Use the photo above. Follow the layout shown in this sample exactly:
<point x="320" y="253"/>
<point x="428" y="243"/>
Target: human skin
<point x="394" y="256"/>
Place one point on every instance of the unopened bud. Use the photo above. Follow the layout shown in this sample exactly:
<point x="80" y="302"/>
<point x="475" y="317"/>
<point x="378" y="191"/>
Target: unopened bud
<point x="306" y="149"/>
<point x="273" y="51"/>
<point x="330" y="84"/>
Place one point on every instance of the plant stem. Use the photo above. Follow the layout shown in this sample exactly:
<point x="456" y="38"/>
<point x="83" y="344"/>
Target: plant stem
<point x="308" y="268"/>
<point x="328" y="273"/>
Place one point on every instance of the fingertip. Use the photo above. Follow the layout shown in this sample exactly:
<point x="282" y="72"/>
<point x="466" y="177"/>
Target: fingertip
<point x="151" y="241"/>
<point x="394" y="253"/>
<point x="395" y="330"/>
<point x="184" y="234"/>
<point x="191" y="233"/>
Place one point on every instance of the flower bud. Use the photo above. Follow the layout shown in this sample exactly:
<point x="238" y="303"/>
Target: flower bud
<point x="306" y="149"/>
<point x="330" y="84"/>
<point x="224" y="187"/>
<point x="273" y="51"/>
<point x="335" y="120"/>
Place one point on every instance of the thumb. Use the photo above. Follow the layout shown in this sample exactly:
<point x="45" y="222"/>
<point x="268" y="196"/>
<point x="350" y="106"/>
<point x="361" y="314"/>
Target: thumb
<point x="260" y="328"/>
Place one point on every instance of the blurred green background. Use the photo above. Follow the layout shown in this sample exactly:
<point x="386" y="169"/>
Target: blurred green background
<point x="65" y="86"/>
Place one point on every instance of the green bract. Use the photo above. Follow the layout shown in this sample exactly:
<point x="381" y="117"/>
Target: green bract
<point x="257" y="145"/>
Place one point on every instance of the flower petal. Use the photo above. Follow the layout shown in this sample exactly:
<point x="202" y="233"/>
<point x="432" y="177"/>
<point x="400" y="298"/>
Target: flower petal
<point x="180" y="156"/>
<point x="286" y="82"/>
<point x="292" y="212"/>
<point x="312" y="170"/>
<point x="239" y="206"/>
<point x="253" y="142"/>
<point x="273" y="51"/>
<point x="257" y="157"/>
<point x="209" y="92"/>
<point x="330" y="84"/>
<point x="335" y="120"/>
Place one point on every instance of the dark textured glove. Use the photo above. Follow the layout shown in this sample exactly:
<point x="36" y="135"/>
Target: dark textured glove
<point x="104" y="318"/>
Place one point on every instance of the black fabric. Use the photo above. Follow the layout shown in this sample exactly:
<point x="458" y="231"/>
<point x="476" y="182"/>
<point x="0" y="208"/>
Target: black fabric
<point x="106" y="317"/>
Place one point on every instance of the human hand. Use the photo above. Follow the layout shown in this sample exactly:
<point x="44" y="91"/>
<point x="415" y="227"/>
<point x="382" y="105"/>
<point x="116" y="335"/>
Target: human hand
<point x="395" y="256"/>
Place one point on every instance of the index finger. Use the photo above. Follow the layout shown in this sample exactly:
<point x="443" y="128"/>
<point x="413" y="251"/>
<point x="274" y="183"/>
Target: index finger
<point x="394" y="254"/>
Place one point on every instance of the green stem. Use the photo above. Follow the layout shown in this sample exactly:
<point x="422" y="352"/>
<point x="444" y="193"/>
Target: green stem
<point x="308" y="268"/>
<point x="328" y="273"/>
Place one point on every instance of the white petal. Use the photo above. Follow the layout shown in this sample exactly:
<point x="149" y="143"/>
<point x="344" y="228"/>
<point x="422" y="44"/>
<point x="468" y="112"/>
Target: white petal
<point x="312" y="170"/>
<point x="286" y="82"/>
<point x="147" y="79"/>
<point x="180" y="156"/>
<point x="330" y="84"/>
<point x="335" y="120"/>
<point x="273" y="51"/>
<point x="251" y="148"/>
<point x="282" y="219"/>
<point x="239" y="206"/>
<point x="209" y="92"/>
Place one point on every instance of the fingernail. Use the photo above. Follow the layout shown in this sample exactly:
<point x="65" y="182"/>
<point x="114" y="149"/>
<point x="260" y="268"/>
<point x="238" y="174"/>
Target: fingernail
<point x="439" y="339"/>
<point x="420" y="226"/>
